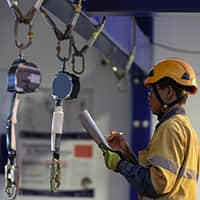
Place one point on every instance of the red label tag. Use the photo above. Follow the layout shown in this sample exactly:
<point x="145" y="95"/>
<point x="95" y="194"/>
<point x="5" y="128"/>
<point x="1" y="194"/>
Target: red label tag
<point x="83" y="151"/>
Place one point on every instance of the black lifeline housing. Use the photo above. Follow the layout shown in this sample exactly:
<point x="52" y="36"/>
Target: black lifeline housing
<point x="66" y="86"/>
<point x="23" y="77"/>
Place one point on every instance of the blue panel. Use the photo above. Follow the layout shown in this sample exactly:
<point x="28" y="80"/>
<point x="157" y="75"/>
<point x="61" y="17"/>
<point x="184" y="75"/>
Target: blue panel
<point x="141" y="114"/>
<point x="130" y="7"/>
<point x="146" y="25"/>
<point x="121" y="30"/>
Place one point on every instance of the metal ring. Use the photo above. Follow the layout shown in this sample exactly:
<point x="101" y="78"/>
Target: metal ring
<point x="73" y="64"/>
<point x="58" y="48"/>
<point x="21" y="45"/>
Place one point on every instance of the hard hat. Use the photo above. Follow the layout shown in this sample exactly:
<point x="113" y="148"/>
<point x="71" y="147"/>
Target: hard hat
<point x="175" y="68"/>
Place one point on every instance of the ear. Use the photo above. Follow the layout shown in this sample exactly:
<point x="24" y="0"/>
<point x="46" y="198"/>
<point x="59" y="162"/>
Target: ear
<point x="170" y="93"/>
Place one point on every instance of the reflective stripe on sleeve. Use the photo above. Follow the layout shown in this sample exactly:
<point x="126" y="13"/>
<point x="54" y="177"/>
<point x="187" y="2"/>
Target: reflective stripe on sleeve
<point x="188" y="173"/>
<point x="173" y="167"/>
<point x="164" y="163"/>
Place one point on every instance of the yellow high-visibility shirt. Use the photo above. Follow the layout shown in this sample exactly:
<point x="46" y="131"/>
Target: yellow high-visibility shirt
<point x="173" y="156"/>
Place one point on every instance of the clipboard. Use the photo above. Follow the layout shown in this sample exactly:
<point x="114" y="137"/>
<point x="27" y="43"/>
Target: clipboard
<point x="92" y="129"/>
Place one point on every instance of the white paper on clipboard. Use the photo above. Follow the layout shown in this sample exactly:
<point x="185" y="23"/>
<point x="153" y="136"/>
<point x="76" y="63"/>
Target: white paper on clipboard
<point x="89" y="124"/>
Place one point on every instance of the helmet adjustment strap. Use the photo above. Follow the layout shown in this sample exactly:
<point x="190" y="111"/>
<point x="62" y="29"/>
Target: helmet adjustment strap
<point x="162" y="103"/>
<point x="165" y="106"/>
<point x="181" y="98"/>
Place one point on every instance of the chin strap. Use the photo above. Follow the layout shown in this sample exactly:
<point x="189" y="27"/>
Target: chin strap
<point x="165" y="107"/>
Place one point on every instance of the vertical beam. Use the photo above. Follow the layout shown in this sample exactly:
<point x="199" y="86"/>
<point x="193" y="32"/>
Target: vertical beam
<point x="141" y="116"/>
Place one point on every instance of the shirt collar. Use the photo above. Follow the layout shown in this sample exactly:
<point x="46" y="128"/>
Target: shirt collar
<point x="174" y="111"/>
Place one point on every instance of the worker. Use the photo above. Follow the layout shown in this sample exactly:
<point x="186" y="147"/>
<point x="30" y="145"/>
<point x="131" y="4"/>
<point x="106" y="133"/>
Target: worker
<point x="169" y="167"/>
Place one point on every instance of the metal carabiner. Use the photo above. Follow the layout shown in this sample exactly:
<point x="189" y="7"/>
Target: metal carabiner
<point x="56" y="133"/>
<point x="11" y="179"/>
<point x="21" y="45"/>
<point x="74" y="69"/>
<point x="55" y="172"/>
<point x="58" y="49"/>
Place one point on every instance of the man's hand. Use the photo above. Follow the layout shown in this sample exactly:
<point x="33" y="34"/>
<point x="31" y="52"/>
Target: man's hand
<point x="118" y="143"/>
<point x="112" y="158"/>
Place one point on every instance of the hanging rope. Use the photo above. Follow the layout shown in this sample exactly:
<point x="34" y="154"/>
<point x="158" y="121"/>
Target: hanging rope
<point x="133" y="51"/>
<point x="28" y="18"/>
<point x="61" y="36"/>
<point x="67" y="36"/>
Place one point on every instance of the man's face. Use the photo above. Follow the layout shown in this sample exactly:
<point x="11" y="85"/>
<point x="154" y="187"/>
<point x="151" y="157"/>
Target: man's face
<point x="154" y="102"/>
<point x="167" y="94"/>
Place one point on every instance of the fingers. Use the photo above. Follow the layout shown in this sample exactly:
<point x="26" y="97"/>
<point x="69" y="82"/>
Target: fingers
<point x="116" y="140"/>
<point x="114" y="135"/>
<point x="119" y="143"/>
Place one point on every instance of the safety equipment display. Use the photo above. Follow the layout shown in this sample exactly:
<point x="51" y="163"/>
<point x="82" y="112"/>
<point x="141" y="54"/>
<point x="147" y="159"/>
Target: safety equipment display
<point x="176" y="69"/>
<point x="65" y="86"/>
<point x="23" y="77"/>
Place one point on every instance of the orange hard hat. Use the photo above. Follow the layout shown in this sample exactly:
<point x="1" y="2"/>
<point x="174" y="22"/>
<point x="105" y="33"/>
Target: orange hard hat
<point x="175" y="68"/>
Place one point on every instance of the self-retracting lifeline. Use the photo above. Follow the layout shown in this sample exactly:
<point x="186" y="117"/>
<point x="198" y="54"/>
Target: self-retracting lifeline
<point x="66" y="85"/>
<point x="23" y="77"/>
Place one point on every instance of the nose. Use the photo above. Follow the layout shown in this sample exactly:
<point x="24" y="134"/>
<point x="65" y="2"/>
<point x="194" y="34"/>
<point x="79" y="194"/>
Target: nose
<point x="149" y="92"/>
<point x="148" y="97"/>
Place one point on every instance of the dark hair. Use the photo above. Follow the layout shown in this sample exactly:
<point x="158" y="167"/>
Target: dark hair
<point x="180" y="90"/>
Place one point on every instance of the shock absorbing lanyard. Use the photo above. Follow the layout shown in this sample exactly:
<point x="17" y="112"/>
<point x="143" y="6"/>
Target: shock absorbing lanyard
<point x="67" y="35"/>
<point x="11" y="169"/>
